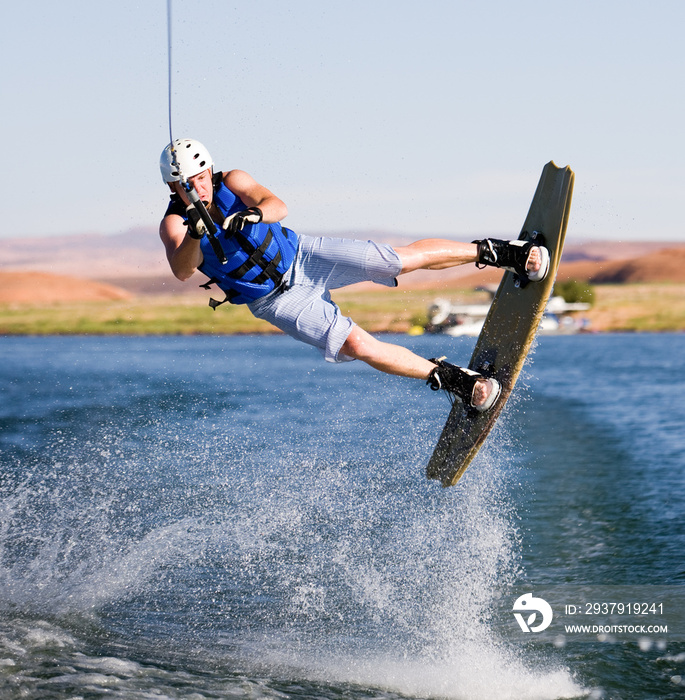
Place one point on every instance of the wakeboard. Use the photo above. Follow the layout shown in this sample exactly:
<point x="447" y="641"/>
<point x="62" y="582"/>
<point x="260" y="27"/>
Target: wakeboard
<point x="509" y="329"/>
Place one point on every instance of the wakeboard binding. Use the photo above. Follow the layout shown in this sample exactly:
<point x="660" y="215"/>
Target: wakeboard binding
<point x="461" y="383"/>
<point x="514" y="256"/>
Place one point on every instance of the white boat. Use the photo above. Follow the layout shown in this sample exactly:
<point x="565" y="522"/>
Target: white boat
<point x="468" y="319"/>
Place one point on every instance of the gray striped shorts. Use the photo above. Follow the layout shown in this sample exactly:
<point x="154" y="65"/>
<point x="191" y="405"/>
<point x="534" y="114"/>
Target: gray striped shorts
<point x="305" y="310"/>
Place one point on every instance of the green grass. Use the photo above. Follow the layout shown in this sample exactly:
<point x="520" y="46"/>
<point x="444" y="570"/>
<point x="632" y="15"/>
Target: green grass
<point x="644" y="307"/>
<point x="138" y="317"/>
<point x="639" y="307"/>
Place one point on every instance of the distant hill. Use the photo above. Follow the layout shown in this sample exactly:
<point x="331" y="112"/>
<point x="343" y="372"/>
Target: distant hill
<point x="92" y="266"/>
<point x="597" y="263"/>
<point x="137" y="252"/>
<point x="667" y="265"/>
<point x="46" y="288"/>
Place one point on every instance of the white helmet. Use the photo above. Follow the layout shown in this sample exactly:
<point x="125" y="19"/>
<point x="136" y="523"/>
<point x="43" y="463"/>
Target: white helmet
<point x="191" y="156"/>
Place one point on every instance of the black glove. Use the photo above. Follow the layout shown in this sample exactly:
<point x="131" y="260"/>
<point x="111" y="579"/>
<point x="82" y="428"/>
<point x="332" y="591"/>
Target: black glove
<point x="196" y="227"/>
<point x="236" y="222"/>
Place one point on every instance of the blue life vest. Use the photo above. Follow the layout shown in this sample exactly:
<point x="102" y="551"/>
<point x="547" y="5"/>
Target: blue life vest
<point x="256" y="257"/>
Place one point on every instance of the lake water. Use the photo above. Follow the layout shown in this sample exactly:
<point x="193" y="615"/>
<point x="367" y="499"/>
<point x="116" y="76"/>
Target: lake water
<point x="235" y="518"/>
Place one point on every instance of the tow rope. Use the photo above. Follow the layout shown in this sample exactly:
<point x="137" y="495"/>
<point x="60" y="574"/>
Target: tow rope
<point x="197" y="211"/>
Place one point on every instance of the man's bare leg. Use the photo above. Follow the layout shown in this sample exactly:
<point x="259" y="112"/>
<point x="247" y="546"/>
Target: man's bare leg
<point x="440" y="254"/>
<point x="398" y="360"/>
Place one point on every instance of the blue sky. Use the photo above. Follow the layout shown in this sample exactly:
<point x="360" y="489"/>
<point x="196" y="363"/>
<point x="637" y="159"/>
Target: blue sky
<point x="421" y="119"/>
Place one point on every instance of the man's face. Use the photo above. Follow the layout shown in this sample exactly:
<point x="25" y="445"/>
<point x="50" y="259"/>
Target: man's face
<point x="202" y="182"/>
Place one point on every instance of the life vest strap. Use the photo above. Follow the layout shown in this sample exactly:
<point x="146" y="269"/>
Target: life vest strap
<point x="256" y="259"/>
<point x="213" y="303"/>
<point x="269" y="271"/>
<point x="255" y="255"/>
<point x="231" y="294"/>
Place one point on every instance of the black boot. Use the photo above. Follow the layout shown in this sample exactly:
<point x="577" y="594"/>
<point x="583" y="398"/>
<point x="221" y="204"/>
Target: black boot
<point x="462" y="382"/>
<point x="513" y="255"/>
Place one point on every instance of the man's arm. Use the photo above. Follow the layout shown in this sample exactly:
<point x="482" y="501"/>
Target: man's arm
<point x="255" y="195"/>
<point x="183" y="252"/>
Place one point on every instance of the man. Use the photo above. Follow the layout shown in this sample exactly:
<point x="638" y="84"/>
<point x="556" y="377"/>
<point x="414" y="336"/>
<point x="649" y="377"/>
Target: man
<point x="286" y="279"/>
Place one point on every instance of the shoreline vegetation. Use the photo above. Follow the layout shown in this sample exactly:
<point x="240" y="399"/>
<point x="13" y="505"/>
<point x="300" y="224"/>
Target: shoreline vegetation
<point x="640" y="307"/>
